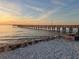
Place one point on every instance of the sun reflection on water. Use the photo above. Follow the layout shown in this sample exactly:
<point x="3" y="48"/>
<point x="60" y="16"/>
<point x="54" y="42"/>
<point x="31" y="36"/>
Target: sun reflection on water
<point x="6" y="30"/>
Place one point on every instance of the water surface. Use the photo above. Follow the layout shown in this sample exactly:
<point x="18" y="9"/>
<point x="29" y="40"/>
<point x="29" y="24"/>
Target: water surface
<point x="14" y="32"/>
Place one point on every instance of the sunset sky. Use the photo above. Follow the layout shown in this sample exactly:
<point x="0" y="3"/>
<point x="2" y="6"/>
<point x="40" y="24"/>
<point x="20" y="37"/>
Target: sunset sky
<point x="39" y="12"/>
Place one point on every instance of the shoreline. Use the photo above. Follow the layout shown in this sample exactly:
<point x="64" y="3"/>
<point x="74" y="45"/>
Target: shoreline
<point x="54" y="49"/>
<point x="21" y="43"/>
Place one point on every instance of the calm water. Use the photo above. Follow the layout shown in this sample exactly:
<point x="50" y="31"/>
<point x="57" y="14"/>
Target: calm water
<point x="14" y="32"/>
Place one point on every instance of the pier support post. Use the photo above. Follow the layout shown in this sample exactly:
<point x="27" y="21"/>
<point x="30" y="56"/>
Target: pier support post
<point x="63" y="30"/>
<point x="34" y="27"/>
<point x="58" y="29"/>
<point x="78" y="31"/>
<point x="70" y="30"/>
<point x="47" y="28"/>
<point x="53" y="28"/>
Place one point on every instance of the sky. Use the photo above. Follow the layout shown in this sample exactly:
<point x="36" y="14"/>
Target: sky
<point x="44" y="12"/>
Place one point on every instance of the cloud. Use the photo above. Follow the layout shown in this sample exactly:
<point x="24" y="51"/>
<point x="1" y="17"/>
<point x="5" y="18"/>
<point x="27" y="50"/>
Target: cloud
<point x="12" y="8"/>
<point x="10" y="11"/>
<point x="62" y="2"/>
<point x="58" y="2"/>
<point x="35" y="8"/>
<point x="46" y="15"/>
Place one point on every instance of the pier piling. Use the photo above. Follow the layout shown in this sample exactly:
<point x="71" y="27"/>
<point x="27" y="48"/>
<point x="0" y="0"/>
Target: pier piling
<point x="58" y="29"/>
<point x="78" y="31"/>
<point x="70" y="30"/>
<point x="63" y="30"/>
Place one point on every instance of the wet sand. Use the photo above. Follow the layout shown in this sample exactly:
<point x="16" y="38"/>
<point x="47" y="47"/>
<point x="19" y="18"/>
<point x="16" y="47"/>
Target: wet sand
<point x="54" y="49"/>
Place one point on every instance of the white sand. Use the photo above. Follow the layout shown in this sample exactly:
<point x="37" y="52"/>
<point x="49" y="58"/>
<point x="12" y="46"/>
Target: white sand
<point x="55" y="49"/>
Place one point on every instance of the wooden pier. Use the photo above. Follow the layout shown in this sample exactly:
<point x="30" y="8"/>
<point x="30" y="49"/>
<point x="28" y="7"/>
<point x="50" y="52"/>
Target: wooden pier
<point x="56" y="28"/>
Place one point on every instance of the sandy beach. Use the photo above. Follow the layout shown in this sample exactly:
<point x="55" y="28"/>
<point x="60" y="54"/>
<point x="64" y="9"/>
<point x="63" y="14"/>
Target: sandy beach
<point x="54" y="49"/>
